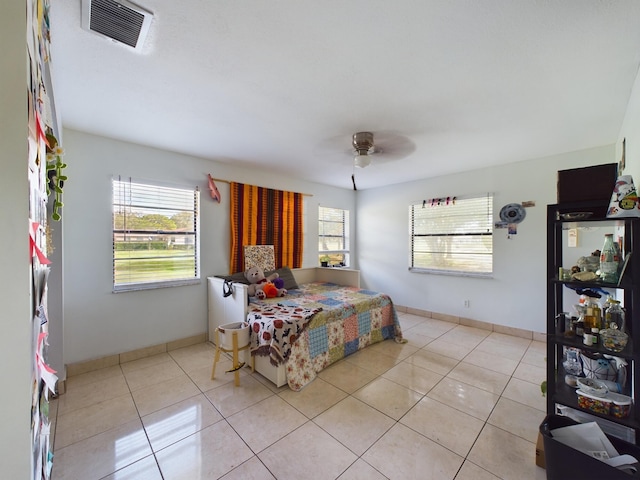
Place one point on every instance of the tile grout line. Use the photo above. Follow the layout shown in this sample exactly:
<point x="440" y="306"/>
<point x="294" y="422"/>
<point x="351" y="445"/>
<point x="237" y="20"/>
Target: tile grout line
<point x="378" y="376"/>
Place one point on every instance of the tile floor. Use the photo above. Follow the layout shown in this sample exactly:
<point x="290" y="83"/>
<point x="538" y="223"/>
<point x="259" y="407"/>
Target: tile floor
<point x="454" y="402"/>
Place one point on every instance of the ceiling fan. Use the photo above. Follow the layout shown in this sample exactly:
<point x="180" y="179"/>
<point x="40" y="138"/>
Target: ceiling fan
<point x="364" y="149"/>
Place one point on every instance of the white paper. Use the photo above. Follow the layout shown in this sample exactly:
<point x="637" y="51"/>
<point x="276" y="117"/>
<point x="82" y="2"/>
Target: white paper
<point x="620" y="460"/>
<point x="589" y="439"/>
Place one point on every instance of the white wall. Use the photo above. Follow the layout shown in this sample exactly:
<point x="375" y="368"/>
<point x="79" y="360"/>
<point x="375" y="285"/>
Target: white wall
<point x="516" y="294"/>
<point x="631" y="131"/>
<point x="15" y="341"/>
<point x="100" y="323"/>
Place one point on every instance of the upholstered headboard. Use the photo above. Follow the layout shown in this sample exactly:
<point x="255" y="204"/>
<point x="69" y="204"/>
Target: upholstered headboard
<point x="262" y="256"/>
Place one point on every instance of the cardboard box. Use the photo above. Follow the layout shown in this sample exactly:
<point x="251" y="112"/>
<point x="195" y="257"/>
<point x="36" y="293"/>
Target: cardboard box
<point x="587" y="184"/>
<point x="540" y="461"/>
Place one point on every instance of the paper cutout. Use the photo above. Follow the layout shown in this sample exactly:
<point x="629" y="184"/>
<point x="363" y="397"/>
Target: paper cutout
<point x="41" y="314"/>
<point x="40" y="278"/>
<point x="47" y="374"/>
<point x="33" y="248"/>
<point x="215" y="194"/>
<point x="32" y="152"/>
<point x="40" y="129"/>
<point x="435" y="202"/>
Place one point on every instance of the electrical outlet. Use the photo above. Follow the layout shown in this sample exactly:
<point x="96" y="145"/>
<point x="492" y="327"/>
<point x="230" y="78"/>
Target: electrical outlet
<point x="467" y="303"/>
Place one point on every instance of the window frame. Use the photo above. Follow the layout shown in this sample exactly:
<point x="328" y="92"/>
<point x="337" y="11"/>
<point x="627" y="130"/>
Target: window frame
<point x="175" y="199"/>
<point x="433" y="210"/>
<point x="322" y="219"/>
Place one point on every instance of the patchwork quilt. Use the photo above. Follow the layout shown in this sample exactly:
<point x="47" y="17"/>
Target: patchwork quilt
<point x="318" y="324"/>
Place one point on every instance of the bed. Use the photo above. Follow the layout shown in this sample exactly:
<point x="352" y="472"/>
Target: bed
<point x="326" y="318"/>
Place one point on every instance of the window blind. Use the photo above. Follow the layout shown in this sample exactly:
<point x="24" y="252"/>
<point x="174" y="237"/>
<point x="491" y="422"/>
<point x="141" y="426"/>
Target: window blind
<point x="452" y="237"/>
<point x="155" y="235"/>
<point x="333" y="234"/>
<point x="332" y="230"/>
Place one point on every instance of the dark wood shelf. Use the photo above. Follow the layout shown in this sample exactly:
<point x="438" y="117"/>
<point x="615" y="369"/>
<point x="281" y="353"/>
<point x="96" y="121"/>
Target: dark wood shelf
<point x="576" y="342"/>
<point x="625" y="282"/>
<point x="566" y="395"/>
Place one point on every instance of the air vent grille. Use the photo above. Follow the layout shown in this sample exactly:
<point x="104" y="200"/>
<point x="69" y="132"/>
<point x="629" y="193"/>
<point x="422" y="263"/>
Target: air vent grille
<point x="119" y="20"/>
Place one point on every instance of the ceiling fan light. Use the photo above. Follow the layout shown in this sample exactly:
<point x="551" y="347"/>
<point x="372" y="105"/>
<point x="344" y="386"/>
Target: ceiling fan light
<point x="362" y="161"/>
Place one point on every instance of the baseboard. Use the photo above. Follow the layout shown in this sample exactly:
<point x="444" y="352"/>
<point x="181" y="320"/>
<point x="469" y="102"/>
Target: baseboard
<point x="112" y="360"/>
<point x="61" y="387"/>
<point x="469" y="322"/>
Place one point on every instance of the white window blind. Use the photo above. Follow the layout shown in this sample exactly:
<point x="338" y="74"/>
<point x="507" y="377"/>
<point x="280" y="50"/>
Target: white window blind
<point x="454" y="237"/>
<point x="333" y="235"/>
<point x="155" y="235"/>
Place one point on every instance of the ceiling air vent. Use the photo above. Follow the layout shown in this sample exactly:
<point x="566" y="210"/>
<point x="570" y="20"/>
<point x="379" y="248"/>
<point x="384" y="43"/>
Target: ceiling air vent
<point x="120" y="20"/>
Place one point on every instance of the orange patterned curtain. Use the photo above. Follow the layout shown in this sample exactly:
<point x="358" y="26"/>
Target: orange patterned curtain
<point x="262" y="216"/>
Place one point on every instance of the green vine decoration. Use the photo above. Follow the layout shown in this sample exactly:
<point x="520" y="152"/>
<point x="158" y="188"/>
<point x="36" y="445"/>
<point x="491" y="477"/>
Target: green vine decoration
<point x="55" y="165"/>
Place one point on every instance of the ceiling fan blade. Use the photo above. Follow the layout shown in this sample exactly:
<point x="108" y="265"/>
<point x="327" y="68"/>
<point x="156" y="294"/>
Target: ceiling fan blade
<point x="339" y="146"/>
<point x="353" y="180"/>
<point x="392" y="146"/>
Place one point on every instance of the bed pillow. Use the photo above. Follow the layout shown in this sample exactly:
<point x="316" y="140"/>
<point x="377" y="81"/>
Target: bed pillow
<point x="287" y="277"/>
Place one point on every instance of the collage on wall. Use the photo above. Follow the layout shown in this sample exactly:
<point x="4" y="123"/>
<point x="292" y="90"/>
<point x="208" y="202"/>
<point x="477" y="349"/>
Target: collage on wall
<point x="42" y="142"/>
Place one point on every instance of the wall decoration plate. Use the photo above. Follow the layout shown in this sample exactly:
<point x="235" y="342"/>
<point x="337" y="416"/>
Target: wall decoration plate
<point x="512" y="213"/>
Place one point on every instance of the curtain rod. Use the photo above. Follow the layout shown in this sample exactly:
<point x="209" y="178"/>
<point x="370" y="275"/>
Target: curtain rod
<point x="227" y="181"/>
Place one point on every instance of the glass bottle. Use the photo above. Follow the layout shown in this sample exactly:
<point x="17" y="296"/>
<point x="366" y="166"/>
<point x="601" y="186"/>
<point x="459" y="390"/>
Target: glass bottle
<point x="570" y="325"/>
<point x="593" y="315"/>
<point x="616" y="246"/>
<point x="609" y="260"/>
<point x="605" y="307"/>
<point x="614" y="315"/>
<point x="579" y="325"/>
<point x="614" y="338"/>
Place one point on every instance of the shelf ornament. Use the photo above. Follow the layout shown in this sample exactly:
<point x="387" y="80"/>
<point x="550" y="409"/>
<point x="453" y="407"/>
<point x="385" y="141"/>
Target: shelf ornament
<point x="56" y="179"/>
<point x="624" y="199"/>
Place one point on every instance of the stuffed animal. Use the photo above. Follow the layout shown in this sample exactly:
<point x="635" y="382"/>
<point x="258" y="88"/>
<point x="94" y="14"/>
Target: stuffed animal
<point x="269" y="289"/>
<point x="262" y="287"/>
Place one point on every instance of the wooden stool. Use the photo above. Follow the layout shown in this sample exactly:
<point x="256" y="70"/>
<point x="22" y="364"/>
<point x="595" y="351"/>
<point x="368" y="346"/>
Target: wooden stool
<point x="235" y="349"/>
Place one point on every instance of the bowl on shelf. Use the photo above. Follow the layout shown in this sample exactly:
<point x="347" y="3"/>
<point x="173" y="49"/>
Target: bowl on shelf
<point x="613" y="339"/>
<point x="571" y="380"/>
<point x="592" y="386"/>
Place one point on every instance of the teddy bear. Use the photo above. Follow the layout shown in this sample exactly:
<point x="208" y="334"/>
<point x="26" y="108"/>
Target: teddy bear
<point x="264" y="287"/>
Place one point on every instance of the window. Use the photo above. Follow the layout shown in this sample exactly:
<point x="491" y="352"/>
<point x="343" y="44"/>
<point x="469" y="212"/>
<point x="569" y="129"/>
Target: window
<point x="452" y="237"/>
<point x="155" y="235"/>
<point x="333" y="236"/>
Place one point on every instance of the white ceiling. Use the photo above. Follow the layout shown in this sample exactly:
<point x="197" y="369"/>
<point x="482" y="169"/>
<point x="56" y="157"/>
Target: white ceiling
<point x="284" y="83"/>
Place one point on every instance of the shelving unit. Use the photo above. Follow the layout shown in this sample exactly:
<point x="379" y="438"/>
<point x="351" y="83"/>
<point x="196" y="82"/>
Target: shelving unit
<point x="560" y="292"/>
